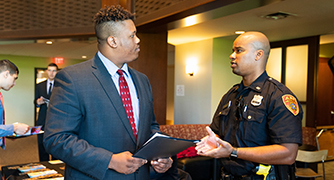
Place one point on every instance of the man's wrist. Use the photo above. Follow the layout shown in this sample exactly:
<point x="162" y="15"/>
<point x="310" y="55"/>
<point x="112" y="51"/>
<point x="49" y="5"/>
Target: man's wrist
<point x="111" y="163"/>
<point x="234" y="153"/>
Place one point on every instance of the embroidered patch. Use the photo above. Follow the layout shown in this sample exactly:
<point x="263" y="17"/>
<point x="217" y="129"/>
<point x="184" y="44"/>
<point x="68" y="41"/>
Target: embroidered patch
<point x="256" y="101"/>
<point x="291" y="104"/>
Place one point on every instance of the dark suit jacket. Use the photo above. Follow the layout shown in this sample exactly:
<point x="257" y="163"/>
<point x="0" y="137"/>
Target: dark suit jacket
<point x="86" y="122"/>
<point x="41" y="91"/>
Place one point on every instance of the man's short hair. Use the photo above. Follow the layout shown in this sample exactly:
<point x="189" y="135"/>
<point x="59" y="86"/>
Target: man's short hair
<point x="106" y="19"/>
<point x="53" y="65"/>
<point x="6" y="64"/>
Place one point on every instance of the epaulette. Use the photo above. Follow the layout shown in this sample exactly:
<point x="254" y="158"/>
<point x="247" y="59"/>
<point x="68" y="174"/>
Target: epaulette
<point x="278" y="84"/>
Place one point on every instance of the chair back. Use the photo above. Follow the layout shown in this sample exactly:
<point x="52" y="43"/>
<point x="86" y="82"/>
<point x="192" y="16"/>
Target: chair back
<point x="185" y="131"/>
<point x="309" y="136"/>
<point x="311" y="156"/>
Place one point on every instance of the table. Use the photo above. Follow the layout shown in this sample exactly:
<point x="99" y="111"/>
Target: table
<point x="13" y="174"/>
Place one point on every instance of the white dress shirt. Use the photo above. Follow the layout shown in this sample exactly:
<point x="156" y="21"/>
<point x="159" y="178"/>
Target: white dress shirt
<point x="112" y="69"/>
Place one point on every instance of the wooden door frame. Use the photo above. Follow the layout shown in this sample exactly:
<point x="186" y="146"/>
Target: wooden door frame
<point x="312" y="69"/>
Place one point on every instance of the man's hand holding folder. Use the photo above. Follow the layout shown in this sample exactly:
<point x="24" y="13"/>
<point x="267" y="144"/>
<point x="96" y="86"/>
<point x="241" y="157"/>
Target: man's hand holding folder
<point x="159" y="149"/>
<point x="124" y="163"/>
<point x="162" y="146"/>
<point x="162" y="165"/>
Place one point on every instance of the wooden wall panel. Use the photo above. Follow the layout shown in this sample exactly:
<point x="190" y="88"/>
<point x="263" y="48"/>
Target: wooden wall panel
<point x="324" y="94"/>
<point x="152" y="61"/>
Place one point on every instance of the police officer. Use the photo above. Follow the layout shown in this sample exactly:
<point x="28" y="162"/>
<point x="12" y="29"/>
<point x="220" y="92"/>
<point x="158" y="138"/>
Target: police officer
<point x="257" y="121"/>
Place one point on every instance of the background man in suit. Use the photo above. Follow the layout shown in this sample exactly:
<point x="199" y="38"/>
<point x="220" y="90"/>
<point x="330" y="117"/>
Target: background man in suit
<point x="87" y="126"/>
<point x="8" y="76"/>
<point x="42" y="96"/>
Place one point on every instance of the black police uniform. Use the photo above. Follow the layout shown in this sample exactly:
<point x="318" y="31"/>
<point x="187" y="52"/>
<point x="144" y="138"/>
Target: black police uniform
<point x="264" y="113"/>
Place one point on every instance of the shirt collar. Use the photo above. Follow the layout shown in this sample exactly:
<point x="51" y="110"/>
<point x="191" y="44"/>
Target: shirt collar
<point x="49" y="81"/>
<point x="111" y="67"/>
<point x="259" y="82"/>
<point x="256" y="85"/>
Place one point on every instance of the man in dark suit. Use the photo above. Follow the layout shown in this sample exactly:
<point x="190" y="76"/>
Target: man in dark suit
<point x="87" y="125"/>
<point x="42" y="96"/>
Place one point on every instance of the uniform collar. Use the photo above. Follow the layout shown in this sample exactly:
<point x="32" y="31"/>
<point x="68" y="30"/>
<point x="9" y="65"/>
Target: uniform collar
<point x="256" y="85"/>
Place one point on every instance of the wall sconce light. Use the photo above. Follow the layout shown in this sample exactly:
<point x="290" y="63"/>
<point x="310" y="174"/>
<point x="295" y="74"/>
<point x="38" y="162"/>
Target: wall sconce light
<point x="49" y="42"/>
<point x="190" y="69"/>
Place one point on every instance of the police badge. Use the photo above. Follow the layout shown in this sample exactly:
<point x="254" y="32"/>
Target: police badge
<point x="256" y="101"/>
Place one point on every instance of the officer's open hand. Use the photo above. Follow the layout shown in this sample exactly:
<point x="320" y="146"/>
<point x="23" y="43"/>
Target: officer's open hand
<point x="213" y="146"/>
<point x="208" y="142"/>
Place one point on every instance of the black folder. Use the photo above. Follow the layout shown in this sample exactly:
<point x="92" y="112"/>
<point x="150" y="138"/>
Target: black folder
<point x="162" y="146"/>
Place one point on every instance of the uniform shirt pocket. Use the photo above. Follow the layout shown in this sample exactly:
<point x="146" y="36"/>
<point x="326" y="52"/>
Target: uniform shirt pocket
<point x="255" y="126"/>
<point x="220" y="120"/>
<point x="224" y="112"/>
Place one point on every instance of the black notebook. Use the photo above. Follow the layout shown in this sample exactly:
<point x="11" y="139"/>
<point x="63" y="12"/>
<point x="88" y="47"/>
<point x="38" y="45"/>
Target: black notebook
<point x="162" y="146"/>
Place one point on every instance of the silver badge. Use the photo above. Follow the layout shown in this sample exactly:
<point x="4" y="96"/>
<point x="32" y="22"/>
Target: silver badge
<point x="256" y="101"/>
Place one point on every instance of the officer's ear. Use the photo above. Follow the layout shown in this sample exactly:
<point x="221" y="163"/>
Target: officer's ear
<point x="259" y="54"/>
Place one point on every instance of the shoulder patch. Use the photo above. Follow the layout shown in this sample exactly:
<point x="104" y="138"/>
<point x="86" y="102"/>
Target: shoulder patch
<point x="291" y="104"/>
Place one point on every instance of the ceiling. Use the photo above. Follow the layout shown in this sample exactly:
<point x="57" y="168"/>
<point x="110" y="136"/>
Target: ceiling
<point x="308" y="18"/>
<point x="66" y="48"/>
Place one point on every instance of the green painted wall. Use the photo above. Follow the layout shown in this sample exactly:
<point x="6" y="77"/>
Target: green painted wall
<point x="212" y="79"/>
<point x="222" y="76"/>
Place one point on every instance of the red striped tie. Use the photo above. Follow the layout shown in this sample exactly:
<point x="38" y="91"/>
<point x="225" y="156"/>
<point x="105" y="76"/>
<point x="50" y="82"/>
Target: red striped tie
<point x="126" y="99"/>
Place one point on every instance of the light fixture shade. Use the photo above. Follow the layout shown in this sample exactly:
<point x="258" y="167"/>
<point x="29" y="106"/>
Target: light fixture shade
<point x="190" y="70"/>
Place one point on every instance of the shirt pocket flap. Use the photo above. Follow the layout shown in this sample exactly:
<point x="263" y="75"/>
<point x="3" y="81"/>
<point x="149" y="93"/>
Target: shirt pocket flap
<point x="253" y="115"/>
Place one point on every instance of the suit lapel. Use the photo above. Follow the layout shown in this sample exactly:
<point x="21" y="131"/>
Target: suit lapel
<point x="45" y="89"/>
<point x="139" y="90"/>
<point x="110" y="89"/>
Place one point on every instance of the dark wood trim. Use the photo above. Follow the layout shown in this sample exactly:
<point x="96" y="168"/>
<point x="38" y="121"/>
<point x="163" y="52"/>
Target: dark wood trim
<point x="173" y="9"/>
<point x="313" y="56"/>
<point x="157" y="21"/>
<point x="152" y="62"/>
<point x="73" y="32"/>
<point x="283" y="75"/>
<point x="313" y="60"/>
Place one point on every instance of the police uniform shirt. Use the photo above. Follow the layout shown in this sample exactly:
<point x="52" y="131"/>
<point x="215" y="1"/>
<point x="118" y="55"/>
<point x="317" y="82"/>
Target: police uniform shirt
<point x="264" y="113"/>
